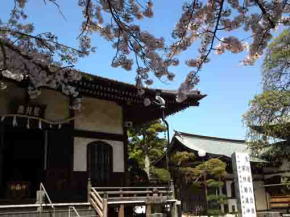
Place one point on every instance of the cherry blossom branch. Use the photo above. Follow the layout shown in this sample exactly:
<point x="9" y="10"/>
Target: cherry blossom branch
<point x="57" y="6"/>
<point x="25" y="56"/>
<point x="185" y="30"/>
<point x="88" y="18"/>
<point x="204" y="58"/>
<point x="40" y="39"/>
<point x="264" y="12"/>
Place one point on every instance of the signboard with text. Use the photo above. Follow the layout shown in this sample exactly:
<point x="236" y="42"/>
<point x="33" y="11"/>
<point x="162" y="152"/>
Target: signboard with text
<point x="244" y="184"/>
<point x="31" y="110"/>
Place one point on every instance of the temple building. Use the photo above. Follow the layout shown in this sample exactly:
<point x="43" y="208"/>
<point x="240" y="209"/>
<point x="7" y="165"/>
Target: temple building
<point x="206" y="147"/>
<point x="277" y="173"/>
<point x="44" y="141"/>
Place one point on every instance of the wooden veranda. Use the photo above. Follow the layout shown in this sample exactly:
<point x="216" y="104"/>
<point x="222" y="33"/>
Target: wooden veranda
<point x="154" y="198"/>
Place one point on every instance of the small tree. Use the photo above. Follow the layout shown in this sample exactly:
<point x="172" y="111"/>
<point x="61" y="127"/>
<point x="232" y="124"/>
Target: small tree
<point x="186" y="169"/>
<point x="146" y="145"/>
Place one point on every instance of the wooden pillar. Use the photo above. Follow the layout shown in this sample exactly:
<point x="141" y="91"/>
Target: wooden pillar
<point x="172" y="189"/>
<point x="1" y="153"/>
<point x="174" y="210"/>
<point x="105" y="205"/>
<point x="126" y="178"/>
<point x="89" y="187"/>
<point x="121" y="212"/>
<point x="148" y="210"/>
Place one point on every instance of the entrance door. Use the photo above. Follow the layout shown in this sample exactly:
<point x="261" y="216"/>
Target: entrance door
<point x="100" y="163"/>
<point x="23" y="160"/>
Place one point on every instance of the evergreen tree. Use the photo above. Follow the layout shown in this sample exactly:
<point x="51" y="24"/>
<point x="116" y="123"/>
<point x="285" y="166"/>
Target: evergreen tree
<point x="268" y="115"/>
<point x="209" y="174"/>
<point x="147" y="144"/>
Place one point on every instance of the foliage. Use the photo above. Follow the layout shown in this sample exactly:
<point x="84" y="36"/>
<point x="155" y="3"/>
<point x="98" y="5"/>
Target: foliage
<point x="137" y="175"/>
<point x="268" y="114"/>
<point x="146" y="140"/>
<point x="146" y="145"/>
<point x="181" y="158"/>
<point x="163" y="175"/>
<point x="44" y="61"/>
<point x="186" y="169"/>
<point x="212" y="183"/>
<point x="214" y="167"/>
<point x="276" y="75"/>
<point x="270" y="111"/>
<point x="221" y="199"/>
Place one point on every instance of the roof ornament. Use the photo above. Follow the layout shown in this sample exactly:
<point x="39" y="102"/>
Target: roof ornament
<point x="160" y="101"/>
<point x="147" y="102"/>
<point x="201" y="153"/>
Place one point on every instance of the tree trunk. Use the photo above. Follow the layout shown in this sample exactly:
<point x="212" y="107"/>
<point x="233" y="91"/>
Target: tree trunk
<point x="147" y="165"/>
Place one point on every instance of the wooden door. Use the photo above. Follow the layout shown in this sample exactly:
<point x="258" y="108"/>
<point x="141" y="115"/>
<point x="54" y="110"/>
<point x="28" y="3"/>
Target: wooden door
<point x="100" y="163"/>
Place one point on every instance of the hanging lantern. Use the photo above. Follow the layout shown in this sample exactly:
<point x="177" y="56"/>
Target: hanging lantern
<point x="2" y="118"/>
<point x="39" y="124"/>
<point x="59" y="126"/>
<point x="28" y="123"/>
<point x="14" y="121"/>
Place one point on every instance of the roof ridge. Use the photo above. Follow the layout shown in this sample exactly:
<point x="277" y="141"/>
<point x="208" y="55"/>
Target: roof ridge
<point x="209" y="137"/>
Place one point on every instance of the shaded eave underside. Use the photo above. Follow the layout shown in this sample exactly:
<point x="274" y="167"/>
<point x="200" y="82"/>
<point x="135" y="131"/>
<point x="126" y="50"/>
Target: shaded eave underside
<point x="127" y="96"/>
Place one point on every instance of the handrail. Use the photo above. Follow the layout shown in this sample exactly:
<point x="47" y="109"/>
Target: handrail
<point x="98" y="203"/>
<point x="149" y="187"/>
<point x="74" y="210"/>
<point x="134" y="191"/>
<point x="42" y="189"/>
<point x="44" y="205"/>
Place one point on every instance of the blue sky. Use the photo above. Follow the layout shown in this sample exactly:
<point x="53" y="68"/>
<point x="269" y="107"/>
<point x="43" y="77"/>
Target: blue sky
<point x="228" y="85"/>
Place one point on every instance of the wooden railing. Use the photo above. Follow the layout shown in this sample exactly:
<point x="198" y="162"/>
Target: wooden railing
<point x="100" y="204"/>
<point x="127" y="194"/>
<point x="280" y="201"/>
<point x="101" y="197"/>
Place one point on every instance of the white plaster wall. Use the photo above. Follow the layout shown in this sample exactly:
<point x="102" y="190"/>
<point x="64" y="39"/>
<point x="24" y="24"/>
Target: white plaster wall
<point x="228" y="188"/>
<point x="232" y="203"/>
<point x="57" y="104"/>
<point x="100" y="115"/>
<point x="260" y="195"/>
<point x="80" y="154"/>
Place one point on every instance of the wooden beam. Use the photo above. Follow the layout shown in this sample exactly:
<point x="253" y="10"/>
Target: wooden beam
<point x="97" y="135"/>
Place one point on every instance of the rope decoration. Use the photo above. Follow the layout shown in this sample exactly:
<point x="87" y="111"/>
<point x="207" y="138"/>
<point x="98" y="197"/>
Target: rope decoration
<point x="40" y="120"/>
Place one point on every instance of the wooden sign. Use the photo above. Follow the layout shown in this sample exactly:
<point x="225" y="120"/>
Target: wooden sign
<point x="31" y="110"/>
<point x="244" y="184"/>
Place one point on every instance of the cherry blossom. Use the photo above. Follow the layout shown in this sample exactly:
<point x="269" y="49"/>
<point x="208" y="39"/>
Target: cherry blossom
<point x="213" y="26"/>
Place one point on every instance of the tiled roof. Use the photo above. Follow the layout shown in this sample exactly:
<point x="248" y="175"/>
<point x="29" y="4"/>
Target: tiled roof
<point x="213" y="145"/>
